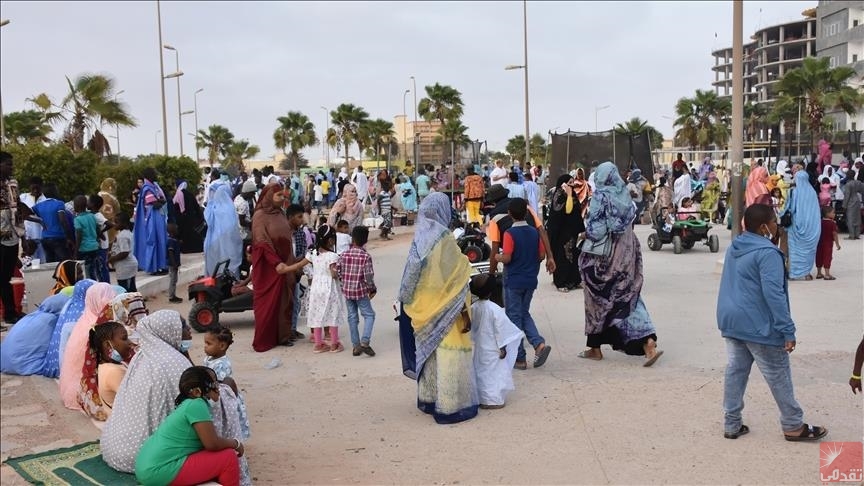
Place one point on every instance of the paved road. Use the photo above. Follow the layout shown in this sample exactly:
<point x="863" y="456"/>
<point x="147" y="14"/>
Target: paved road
<point x="338" y="419"/>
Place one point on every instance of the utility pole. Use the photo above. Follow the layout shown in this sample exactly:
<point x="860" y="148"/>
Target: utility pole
<point x="737" y="145"/>
<point x="162" y="80"/>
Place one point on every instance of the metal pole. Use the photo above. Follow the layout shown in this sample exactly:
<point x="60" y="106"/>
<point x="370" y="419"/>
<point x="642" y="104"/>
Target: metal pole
<point x="156" y="141"/>
<point x="798" y="130"/>
<point x="404" y="126"/>
<point x="117" y="126"/>
<point x="2" y="122"/>
<point x="414" y="127"/>
<point x="195" y="107"/>
<point x="525" y="45"/>
<point x="737" y="145"/>
<point x="162" y="80"/>
<point x="179" y="106"/>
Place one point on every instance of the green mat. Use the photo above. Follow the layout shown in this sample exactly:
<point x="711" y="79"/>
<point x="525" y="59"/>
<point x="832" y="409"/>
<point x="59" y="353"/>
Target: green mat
<point x="79" y="465"/>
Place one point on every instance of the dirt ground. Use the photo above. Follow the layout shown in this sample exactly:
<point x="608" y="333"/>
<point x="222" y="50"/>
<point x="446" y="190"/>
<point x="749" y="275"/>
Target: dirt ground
<point x="338" y="419"/>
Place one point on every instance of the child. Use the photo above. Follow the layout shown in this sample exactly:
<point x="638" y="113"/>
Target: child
<point x="687" y="210"/>
<point x="318" y="198"/>
<point x="123" y="255"/>
<point x="522" y="253"/>
<point x="326" y="302"/>
<point x="244" y="286"/>
<point x="86" y="238"/>
<point x="110" y="350"/>
<point x="496" y="342"/>
<point x="358" y="286"/>
<point x="94" y="205"/>
<point x="824" y="250"/>
<point x="385" y="209"/>
<point x="777" y="201"/>
<point x="824" y="191"/>
<point x="173" y="263"/>
<point x="343" y="239"/>
<point x="216" y="343"/>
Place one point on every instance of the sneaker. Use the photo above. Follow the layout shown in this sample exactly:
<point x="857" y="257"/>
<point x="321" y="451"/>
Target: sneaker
<point x="367" y="349"/>
<point x="356" y="351"/>
<point x="175" y="300"/>
<point x="320" y="348"/>
<point x="337" y="348"/>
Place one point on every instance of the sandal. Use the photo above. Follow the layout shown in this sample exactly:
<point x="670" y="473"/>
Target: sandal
<point x="563" y="290"/>
<point x="541" y="355"/>
<point x="337" y="348"/>
<point x="588" y="355"/>
<point x="520" y="365"/>
<point x="830" y="277"/>
<point x="744" y="430"/>
<point x="818" y="276"/>
<point x="809" y="433"/>
<point x="653" y="359"/>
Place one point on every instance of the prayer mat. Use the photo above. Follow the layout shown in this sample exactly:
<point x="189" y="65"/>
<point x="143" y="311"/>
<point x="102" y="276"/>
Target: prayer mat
<point x="79" y="465"/>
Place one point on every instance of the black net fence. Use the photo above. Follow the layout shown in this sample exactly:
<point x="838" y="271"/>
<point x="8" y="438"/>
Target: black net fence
<point x="571" y="150"/>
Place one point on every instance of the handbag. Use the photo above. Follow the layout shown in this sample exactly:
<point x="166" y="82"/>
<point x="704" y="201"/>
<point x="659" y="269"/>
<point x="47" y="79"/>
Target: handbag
<point x="786" y="219"/>
<point x="601" y="248"/>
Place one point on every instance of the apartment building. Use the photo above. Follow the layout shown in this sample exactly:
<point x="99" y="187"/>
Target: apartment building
<point x="840" y="28"/>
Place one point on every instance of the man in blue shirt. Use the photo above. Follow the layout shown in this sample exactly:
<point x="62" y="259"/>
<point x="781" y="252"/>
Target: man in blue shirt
<point x="55" y="221"/>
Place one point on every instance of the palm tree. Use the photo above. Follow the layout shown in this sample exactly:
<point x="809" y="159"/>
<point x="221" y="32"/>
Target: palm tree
<point x="346" y="120"/>
<point x="441" y="103"/>
<point x="238" y="151"/>
<point x="296" y="133"/>
<point x="755" y="115"/>
<point x="454" y="132"/>
<point x="823" y="88"/>
<point x="90" y="102"/>
<point x="516" y="147"/>
<point x="704" y="119"/>
<point x="380" y="134"/>
<point x="215" y="140"/>
<point x="26" y="126"/>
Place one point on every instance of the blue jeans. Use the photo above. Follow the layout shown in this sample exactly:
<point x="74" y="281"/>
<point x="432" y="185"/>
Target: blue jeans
<point x="295" y="312"/>
<point x="517" y="306"/>
<point x="773" y="362"/>
<point x="365" y="308"/>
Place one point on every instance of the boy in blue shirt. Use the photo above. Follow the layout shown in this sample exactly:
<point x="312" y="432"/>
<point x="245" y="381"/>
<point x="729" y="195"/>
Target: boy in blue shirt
<point x="522" y="253"/>
<point x="87" y="238"/>
<point x="753" y="315"/>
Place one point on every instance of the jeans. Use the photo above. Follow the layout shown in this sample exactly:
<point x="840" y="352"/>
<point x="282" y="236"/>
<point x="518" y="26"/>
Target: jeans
<point x="104" y="276"/>
<point x="128" y="284"/>
<point x="517" y="307"/>
<point x="773" y="362"/>
<point x="8" y="261"/>
<point x="56" y="249"/>
<point x="365" y="307"/>
<point x="295" y="312"/>
<point x="172" y="281"/>
<point x="92" y="264"/>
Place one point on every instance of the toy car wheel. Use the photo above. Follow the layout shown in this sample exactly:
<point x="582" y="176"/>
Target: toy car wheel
<point x="714" y="243"/>
<point x="654" y="242"/>
<point x="487" y="251"/>
<point x="688" y="244"/>
<point x="473" y="253"/>
<point x="203" y="316"/>
<point x="677" y="244"/>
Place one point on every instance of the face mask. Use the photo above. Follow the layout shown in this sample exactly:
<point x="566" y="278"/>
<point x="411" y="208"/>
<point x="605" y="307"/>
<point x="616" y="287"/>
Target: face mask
<point x="769" y="236"/>
<point x="212" y="402"/>
<point x="185" y="345"/>
<point x="224" y="177"/>
<point x="115" y="356"/>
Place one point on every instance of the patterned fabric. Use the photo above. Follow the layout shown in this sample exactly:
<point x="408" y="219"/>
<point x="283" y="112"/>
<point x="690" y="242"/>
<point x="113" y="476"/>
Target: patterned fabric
<point x="611" y="209"/>
<point x="228" y="421"/>
<point x="10" y="233"/>
<point x="300" y="243"/>
<point x="473" y="187"/>
<point x="326" y="303"/>
<point x="79" y="465"/>
<point x="146" y="395"/>
<point x="68" y="317"/>
<point x="356" y="273"/>
<point x="66" y="274"/>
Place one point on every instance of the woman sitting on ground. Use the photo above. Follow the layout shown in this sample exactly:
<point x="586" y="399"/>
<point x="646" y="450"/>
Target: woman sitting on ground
<point x="110" y="352"/>
<point x="186" y="448"/>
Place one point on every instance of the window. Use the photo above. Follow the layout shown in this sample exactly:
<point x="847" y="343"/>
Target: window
<point x="854" y="57"/>
<point x="854" y="23"/>
<point x="832" y="61"/>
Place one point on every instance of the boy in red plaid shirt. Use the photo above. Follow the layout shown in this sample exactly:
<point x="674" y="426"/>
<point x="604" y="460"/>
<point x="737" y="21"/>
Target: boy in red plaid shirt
<point x="358" y="285"/>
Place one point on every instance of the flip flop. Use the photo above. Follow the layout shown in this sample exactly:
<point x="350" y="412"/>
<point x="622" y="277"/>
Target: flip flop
<point x="587" y="355"/>
<point x="810" y="433"/>
<point x="818" y="276"/>
<point x="654" y="359"/>
<point x="744" y="430"/>
<point x="540" y="357"/>
<point x="830" y="277"/>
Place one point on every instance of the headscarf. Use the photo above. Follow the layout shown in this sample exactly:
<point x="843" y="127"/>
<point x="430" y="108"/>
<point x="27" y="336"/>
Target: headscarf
<point x="781" y="168"/>
<point x="269" y="222"/>
<point x="129" y="308"/>
<point x="179" y="198"/>
<point x="683" y="187"/>
<point x="612" y="209"/>
<point x="636" y="175"/>
<point x="756" y="185"/>
<point x="68" y="317"/>
<point x="109" y="186"/>
<point x="803" y="204"/>
<point x="110" y="205"/>
<point x="349" y="207"/>
<point x="223" y="240"/>
<point x="581" y="188"/>
<point x="146" y="394"/>
<point x="66" y="274"/>
<point x="97" y="299"/>
<point x="435" y="279"/>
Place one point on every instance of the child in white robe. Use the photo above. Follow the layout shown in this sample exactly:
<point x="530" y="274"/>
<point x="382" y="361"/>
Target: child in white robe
<point x="496" y="342"/>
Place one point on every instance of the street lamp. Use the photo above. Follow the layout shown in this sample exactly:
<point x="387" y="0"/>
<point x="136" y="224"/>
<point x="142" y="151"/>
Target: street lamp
<point x="414" y="126"/>
<point x="156" y="141"/>
<point x="117" y="125"/>
<point x="324" y="139"/>
<point x="179" y="109"/>
<point x="598" y="109"/>
<point x="2" y="123"/>
<point x="404" y="125"/>
<point x="524" y="67"/>
<point x="195" y="107"/>
<point x="737" y="140"/>
<point x="162" y="79"/>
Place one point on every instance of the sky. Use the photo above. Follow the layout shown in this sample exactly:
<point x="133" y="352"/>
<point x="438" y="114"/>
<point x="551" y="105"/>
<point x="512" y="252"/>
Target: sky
<point x="257" y="60"/>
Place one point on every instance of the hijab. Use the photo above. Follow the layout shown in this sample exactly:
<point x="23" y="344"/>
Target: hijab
<point x="179" y="198"/>
<point x="147" y="392"/>
<point x="68" y="317"/>
<point x="66" y="274"/>
<point x="109" y="186"/>
<point x="612" y="209"/>
<point x="581" y="187"/>
<point x="433" y="221"/>
<point x="756" y="185"/>
<point x="269" y="223"/>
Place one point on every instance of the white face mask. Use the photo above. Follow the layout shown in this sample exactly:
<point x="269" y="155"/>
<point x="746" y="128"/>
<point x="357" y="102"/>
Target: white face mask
<point x="769" y="235"/>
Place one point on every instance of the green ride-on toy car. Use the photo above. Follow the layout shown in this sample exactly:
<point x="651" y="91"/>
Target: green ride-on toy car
<point x="683" y="234"/>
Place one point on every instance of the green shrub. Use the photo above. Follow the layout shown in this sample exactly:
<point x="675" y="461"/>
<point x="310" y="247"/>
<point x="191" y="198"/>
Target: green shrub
<point x="72" y="173"/>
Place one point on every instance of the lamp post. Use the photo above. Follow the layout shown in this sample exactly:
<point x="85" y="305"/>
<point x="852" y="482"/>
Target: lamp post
<point x="117" y="125"/>
<point x="162" y="80"/>
<point x="195" y="107"/>
<point x="156" y="141"/>
<point x="179" y="106"/>
<point x="2" y="123"/>
<point x="324" y="138"/>
<point x="414" y="125"/>
<point x="404" y="124"/>
<point x="737" y="142"/>
<point x="524" y="67"/>
<point x="597" y="110"/>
